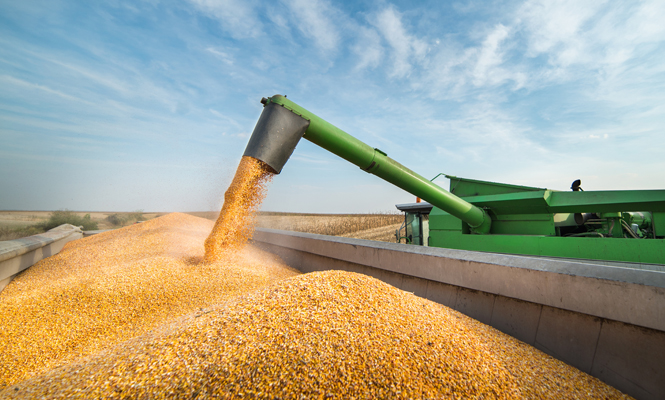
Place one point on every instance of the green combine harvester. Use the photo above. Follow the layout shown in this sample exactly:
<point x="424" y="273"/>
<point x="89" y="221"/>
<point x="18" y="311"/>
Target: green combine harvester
<point x="624" y="226"/>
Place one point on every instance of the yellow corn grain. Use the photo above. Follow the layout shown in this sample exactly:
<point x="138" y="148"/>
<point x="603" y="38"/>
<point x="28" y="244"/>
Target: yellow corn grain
<point x="235" y="224"/>
<point x="328" y="334"/>
<point x="108" y="288"/>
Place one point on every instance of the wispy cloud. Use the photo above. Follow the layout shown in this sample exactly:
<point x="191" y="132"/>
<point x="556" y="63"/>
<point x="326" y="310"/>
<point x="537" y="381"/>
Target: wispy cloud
<point x="488" y="68"/>
<point x="555" y="28"/>
<point x="542" y="44"/>
<point x="237" y="18"/>
<point x="314" y="19"/>
<point x="406" y="49"/>
<point x="225" y="57"/>
<point x="305" y="158"/>
<point x="10" y="80"/>
<point x="368" y="49"/>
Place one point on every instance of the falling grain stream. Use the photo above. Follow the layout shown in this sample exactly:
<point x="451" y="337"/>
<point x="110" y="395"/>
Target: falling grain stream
<point x="147" y="312"/>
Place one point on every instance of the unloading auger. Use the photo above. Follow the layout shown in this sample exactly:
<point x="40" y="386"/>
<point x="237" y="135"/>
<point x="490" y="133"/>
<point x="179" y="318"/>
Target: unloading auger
<point x="283" y="123"/>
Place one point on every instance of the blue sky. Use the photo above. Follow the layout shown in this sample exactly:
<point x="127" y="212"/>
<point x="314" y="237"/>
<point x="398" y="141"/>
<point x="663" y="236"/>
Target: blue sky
<point x="126" y="105"/>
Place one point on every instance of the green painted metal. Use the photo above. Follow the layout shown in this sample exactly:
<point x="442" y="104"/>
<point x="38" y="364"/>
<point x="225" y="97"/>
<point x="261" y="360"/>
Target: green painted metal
<point x="650" y="251"/>
<point x="517" y="224"/>
<point x="376" y="162"/>
<point x="464" y="187"/>
<point x="659" y="223"/>
<point x="607" y="201"/>
<point x="523" y="224"/>
<point x="549" y="201"/>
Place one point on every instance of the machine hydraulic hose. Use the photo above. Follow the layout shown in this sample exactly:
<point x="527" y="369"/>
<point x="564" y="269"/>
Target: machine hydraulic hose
<point x="283" y="123"/>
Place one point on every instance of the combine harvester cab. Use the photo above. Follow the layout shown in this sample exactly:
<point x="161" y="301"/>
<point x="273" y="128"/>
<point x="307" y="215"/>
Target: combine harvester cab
<point x="415" y="229"/>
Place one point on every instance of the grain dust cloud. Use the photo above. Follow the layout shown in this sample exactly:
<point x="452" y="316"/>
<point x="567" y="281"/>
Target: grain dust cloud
<point x="150" y="312"/>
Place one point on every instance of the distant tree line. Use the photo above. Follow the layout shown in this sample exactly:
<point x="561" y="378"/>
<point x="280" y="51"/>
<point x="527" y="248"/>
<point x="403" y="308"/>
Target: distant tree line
<point x="60" y="217"/>
<point x="125" y="218"/>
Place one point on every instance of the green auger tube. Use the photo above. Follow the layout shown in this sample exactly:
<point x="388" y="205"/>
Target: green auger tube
<point x="283" y="123"/>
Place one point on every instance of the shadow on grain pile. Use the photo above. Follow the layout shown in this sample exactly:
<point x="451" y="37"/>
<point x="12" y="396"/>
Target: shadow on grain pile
<point x="135" y="313"/>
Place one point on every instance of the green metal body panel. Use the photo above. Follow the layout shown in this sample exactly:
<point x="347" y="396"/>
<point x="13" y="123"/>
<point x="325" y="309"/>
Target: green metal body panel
<point x="607" y="201"/>
<point x="549" y="201"/>
<point x="651" y="251"/>
<point x="523" y="224"/>
<point x="502" y="197"/>
<point x="519" y="224"/>
<point x="376" y="162"/>
<point x="659" y="223"/>
<point x="464" y="187"/>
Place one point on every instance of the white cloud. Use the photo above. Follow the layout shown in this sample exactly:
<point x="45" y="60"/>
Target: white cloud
<point x="27" y="85"/>
<point x="313" y="19"/>
<point x="88" y="81"/>
<point x="599" y="44"/>
<point x="591" y="33"/>
<point x="306" y="158"/>
<point x="368" y="49"/>
<point x="555" y="27"/>
<point x="228" y="120"/>
<point x="406" y="48"/>
<point x="490" y="58"/>
<point x="236" y="17"/>
<point x="278" y="19"/>
<point x="225" y="57"/>
<point x="455" y="71"/>
<point x="482" y="126"/>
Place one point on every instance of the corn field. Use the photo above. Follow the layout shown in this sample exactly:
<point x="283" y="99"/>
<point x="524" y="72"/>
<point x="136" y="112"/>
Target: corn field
<point x="328" y="224"/>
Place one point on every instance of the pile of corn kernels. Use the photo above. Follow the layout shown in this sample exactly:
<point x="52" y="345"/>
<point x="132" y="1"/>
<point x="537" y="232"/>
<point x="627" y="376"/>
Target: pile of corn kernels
<point x="105" y="289"/>
<point x="329" y="334"/>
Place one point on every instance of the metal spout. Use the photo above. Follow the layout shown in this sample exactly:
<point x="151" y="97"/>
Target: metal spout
<point x="276" y="135"/>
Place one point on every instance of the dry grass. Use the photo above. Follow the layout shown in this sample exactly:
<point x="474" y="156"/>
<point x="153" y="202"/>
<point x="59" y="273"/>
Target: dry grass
<point x="18" y="224"/>
<point x="11" y="233"/>
<point x="330" y="224"/>
<point x="380" y="234"/>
